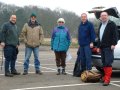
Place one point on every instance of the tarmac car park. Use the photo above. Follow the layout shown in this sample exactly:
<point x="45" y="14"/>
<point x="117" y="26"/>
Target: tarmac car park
<point x="49" y="80"/>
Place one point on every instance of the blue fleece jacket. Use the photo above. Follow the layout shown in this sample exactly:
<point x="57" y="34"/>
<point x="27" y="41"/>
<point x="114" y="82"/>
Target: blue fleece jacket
<point x="86" y="33"/>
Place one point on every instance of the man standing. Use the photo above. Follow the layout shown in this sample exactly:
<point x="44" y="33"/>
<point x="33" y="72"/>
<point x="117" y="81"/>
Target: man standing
<point x="86" y="37"/>
<point x="10" y="42"/>
<point x="32" y="33"/>
<point x="106" y="42"/>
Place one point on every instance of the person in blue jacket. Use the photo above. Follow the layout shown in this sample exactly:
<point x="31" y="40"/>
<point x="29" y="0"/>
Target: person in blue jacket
<point x="60" y="42"/>
<point x="86" y="37"/>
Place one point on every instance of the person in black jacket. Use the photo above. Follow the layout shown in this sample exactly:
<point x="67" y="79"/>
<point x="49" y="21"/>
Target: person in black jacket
<point x="107" y="41"/>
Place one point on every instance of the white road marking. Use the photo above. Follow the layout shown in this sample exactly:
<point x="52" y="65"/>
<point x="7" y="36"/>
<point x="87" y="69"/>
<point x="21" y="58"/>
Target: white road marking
<point x="1" y="74"/>
<point x="32" y="72"/>
<point x="33" y="59"/>
<point x="114" y="81"/>
<point x="57" y="86"/>
<point x="45" y="68"/>
<point x="115" y="84"/>
<point x="54" y="64"/>
<point x="17" y="66"/>
<point x="60" y="86"/>
<point x="33" y="88"/>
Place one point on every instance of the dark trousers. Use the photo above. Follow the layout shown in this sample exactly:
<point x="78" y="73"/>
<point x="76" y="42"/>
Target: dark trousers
<point x="10" y="58"/>
<point x="60" y="58"/>
<point x="107" y="56"/>
<point x="85" y="56"/>
<point x="17" y="51"/>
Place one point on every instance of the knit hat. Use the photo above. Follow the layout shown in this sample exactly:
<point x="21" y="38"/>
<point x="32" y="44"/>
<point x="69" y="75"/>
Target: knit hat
<point x="61" y="20"/>
<point x="33" y="15"/>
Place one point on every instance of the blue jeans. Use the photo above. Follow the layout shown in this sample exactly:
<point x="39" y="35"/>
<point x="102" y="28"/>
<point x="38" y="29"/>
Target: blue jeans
<point x="85" y="56"/>
<point x="28" y="51"/>
<point x="107" y="56"/>
<point x="10" y="58"/>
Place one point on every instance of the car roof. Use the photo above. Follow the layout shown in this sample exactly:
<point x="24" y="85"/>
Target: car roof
<point x="111" y="11"/>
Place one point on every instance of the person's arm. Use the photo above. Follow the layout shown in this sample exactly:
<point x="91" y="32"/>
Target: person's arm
<point x="114" y="34"/>
<point x="41" y="35"/>
<point x="98" y="41"/>
<point x="68" y="37"/>
<point x="24" y="33"/>
<point x="3" y="35"/>
<point x="52" y="38"/>
<point x="18" y="34"/>
<point x="78" y="36"/>
<point x="92" y="35"/>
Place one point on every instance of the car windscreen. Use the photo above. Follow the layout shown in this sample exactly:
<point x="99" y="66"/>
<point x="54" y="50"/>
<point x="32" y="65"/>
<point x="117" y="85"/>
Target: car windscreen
<point x="116" y="20"/>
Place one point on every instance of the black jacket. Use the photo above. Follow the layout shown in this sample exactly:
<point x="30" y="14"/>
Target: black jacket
<point x="110" y="35"/>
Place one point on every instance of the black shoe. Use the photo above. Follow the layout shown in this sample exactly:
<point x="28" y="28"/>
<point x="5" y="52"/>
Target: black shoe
<point x="8" y="74"/>
<point x="39" y="72"/>
<point x="63" y="72"/>
<point x="105" y="84"/>
<point x="15" y="72"/>
<point x="25" y="72"/>
<point x="58" y="72"/>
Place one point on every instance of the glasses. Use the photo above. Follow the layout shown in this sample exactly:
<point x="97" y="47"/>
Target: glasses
<point x="60" y="22"/>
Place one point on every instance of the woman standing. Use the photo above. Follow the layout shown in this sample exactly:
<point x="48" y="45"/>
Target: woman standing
<point x="60" y="43"/>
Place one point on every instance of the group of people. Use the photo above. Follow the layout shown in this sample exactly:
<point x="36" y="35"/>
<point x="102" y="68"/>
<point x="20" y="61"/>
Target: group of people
<point x="33" y="35"/>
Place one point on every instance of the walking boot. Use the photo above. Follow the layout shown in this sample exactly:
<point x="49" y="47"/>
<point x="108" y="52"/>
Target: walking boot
<point x="107" y="77"/>
<point x="58" y="72"/>
<point x="14" y="72"/>
<point x="63" y="71"/>
<point x="39" y="72"/>
<point x="8" y="74"/>
<point x="25" y="72"/>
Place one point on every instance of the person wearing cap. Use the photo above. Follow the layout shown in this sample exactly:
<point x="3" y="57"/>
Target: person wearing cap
<point x="60" y="42"/>
<point x="10" y="43"/>
<point x="86" y="37"/>
<point x="32" y="33"/>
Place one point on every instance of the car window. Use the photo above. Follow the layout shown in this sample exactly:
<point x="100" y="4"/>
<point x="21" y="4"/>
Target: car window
<point x="116" y="20"/>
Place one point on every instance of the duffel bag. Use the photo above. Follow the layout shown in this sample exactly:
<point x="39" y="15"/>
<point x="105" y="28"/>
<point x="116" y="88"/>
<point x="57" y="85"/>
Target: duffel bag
<point x="90" y="76"/>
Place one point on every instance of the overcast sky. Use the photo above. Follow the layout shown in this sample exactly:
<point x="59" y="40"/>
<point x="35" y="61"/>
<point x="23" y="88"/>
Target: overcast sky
<point x="77" y="6"/>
